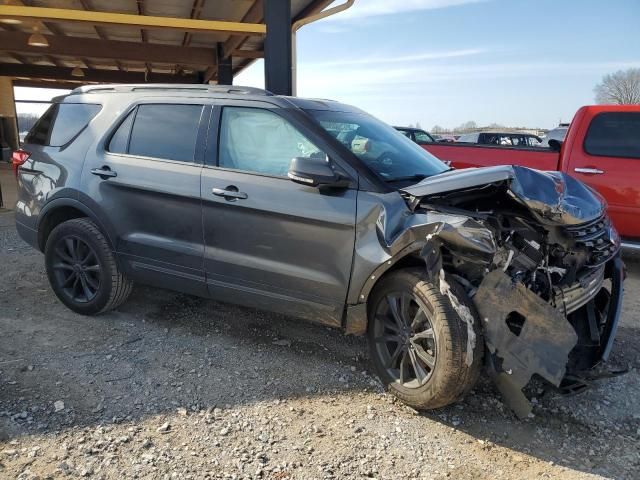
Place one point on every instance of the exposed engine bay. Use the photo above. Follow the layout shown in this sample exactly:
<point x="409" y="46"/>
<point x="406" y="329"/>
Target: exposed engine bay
<point x="539" y="258"/>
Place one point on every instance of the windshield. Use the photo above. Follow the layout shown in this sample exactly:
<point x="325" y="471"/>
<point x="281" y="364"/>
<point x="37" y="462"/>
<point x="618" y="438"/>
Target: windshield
<point x="385" y="150"/>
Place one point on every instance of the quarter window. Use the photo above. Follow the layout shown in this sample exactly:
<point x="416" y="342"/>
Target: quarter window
<point x="164" y="131"/>
<point x="61" y="123"/>
<point x="257" y="140"/>
<point x="614" y="134"/>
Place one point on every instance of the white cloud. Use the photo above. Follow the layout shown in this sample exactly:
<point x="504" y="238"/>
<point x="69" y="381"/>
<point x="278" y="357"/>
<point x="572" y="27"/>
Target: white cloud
<point x="376" y="78"/>
<point x="371" y="8"/>
<point x="382" y="59"/>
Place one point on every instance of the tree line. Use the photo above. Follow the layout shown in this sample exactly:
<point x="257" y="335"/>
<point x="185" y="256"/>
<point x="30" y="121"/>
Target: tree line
<point x="26" y="121"/>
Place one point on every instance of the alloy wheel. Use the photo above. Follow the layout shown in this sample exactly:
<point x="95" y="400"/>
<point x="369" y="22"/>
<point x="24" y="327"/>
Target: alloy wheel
<point x="405" y="339"/>
<point x="76" y="269"/>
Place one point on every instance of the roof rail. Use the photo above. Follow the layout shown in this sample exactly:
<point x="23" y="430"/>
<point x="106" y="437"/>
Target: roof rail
<point x="231" y="89"/>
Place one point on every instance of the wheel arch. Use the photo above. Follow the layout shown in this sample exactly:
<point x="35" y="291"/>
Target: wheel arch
<point x="61" y="210"/>
<point x="411" y="256"/>
<point x="357" y="316"/>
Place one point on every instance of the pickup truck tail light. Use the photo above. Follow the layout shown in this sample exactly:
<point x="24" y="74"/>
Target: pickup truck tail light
<point x="18" y="158"/>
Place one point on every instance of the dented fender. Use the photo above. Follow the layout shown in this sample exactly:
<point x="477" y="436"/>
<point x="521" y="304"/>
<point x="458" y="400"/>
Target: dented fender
<point x="386" y="232"/>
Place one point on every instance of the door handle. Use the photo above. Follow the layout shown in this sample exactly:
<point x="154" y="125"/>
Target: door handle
<point x="104" y="172"/>
<point x="590" y="171"/>
<point x="229" y="193"/>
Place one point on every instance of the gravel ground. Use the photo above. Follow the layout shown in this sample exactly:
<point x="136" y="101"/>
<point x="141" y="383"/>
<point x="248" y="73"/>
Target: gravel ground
<point x="172" y="386"/>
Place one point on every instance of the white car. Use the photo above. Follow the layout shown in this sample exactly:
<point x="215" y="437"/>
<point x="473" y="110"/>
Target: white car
<point x="557" y="133"/>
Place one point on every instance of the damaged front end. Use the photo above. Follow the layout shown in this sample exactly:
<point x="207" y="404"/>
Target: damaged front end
<point x="539" y="258"/>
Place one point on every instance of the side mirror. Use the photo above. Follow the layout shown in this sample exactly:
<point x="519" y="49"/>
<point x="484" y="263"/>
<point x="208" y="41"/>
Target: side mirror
<point x="555" y="145"/>
<point x="315" y="172"/>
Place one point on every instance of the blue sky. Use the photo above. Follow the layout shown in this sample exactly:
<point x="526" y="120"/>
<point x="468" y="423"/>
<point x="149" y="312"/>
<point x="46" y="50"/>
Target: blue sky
<point x="515" y="62"/>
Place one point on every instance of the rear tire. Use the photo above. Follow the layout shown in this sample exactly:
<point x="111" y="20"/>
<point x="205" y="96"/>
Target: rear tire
<point x="421" y="355"/>
<point x="82" y="269"/>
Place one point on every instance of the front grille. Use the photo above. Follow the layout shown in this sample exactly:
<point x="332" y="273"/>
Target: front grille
<point x="596" y="237"/>
<point x="571" y="298"/>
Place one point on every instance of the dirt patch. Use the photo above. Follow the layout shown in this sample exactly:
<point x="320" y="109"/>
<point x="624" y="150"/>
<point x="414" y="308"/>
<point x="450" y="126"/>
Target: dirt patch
<point x="172" y="386"/>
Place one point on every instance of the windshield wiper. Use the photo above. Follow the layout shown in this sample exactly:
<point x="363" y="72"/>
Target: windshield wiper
<point x="417" y="177"/>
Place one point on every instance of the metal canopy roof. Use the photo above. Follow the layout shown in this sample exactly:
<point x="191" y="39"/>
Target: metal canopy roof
<point x="123" y="48"/>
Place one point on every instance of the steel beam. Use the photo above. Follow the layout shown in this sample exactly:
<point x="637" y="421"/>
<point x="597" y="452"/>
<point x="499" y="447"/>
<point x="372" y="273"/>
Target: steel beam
<point x="225" y="67"/>
<point x="277" y="47"/>
<point x="125" y="19"/>
<point x="91" y="75"/>
<point x="110" y="49"/>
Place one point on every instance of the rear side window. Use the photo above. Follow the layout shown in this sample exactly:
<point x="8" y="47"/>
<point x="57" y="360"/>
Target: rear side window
<point x="614" y="134"/>
<point x="61" y="123"/>
<point x="120" y="140"/>
<point x="165" y="131"/>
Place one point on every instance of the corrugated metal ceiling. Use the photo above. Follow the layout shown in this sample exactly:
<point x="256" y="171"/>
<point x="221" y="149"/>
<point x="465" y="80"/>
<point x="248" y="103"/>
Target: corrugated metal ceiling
<point x="227" y="10"/>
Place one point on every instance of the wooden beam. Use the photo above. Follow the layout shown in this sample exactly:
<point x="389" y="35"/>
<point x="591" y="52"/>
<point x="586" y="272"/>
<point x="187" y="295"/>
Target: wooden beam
<point x="109" y="49"/>
<point x="196" y="11"/>
<point x="138" y="21"/>
<point x="86" y="4"/>
<point x="15" y="56"/>
<point x="254" y="54"/>
<point x="49" y="26"/>
<point x="37" y="83"/>
<point x="143" y="32"/>
<point x="255" y="14"/>
<point x="91" y="75"/>
<point x="209" y="74"/>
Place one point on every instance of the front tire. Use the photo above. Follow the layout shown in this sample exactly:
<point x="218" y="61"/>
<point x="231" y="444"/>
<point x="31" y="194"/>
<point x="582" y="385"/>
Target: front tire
<point x="82" y="269"/>
<point x="418" y="341"/>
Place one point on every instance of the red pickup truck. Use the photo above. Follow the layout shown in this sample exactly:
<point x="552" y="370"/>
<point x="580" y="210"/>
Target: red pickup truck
<point x="602" y="148"/>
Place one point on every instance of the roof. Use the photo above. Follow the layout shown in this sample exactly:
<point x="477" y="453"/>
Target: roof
<point x="127" y="52"/>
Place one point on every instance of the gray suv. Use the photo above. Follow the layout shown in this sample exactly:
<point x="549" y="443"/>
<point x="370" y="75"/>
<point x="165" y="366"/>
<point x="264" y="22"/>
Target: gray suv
<point x="315" y="209"/>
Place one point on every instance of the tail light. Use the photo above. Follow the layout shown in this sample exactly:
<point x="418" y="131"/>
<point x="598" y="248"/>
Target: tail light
<point x="18" y="158"/>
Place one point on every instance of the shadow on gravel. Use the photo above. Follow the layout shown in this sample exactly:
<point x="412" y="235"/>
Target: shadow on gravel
<point x="162" y="351"/>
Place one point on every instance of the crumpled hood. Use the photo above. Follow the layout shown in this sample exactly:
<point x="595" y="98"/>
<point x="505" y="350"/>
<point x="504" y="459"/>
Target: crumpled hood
<point x="554" y="197"/>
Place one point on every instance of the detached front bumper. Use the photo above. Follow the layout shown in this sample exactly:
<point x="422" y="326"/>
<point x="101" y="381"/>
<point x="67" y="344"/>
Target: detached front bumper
<point x="527" y="336"/>
<point x="616" y="272"/>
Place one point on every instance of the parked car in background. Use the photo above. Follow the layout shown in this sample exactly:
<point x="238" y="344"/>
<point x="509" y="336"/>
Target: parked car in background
<point x="559" y="133"/>
<point x="445" y="138"/>
<point x="601" y="148"/>
<point x="416" y="135"/>
<point x="509" y="139"/>
<point x="278" y="203"/>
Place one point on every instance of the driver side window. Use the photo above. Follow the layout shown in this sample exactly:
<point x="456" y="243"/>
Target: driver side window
<point x="257" y="140"/>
